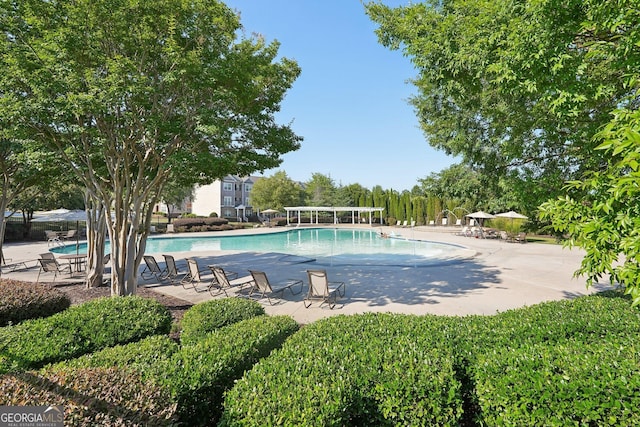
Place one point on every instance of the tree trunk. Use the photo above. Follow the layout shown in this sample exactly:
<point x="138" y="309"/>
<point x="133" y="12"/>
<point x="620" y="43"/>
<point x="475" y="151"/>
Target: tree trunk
<point x="96" y="233"/>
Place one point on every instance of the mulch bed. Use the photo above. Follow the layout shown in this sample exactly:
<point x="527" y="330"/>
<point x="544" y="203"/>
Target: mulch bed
<point x="79" y="293"/>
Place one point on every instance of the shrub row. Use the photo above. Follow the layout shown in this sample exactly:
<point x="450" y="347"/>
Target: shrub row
<point x="571" y="383"/>
<point x="371" y="369"/>
<point x="199" y="374"/>
<point x="92" y="397"/>
<point x="81" y="329"/>
<point x="206" y="317"/>
<point x="569" y="362"/>
<point x="198" y="222"/>
<point x="140" y="356"/>
<point x="25" y="300"/>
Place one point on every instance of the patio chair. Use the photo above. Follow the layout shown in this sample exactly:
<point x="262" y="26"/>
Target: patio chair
<point x="224" y="280"/>
<point x="51" y="266"/>
<point x="195" y="276"/>
<point x="47" y="255"/>
<point x="262" y="285"/>
<point x="71" y="234"/>
<point x="152" y="269"/>
<point x="321" y="288"/>
<point x="173" y="273"/>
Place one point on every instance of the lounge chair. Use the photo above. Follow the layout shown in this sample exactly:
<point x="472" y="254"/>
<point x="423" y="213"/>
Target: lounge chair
<point x="226" y="280"/>
<point x="262" y="285"/>
<point x="521" y="237"/>
<point x="71" y="234"/>
<point x="152" y="269"/>
<point x="196" y="277"/>
<point x="173" y="273"/>
<point x="405" y="223"/>
<point x="321" y="288"/>
<point x="47" y="255"/>
<point x="398" y="223"/>
<point x="48" y="265"/>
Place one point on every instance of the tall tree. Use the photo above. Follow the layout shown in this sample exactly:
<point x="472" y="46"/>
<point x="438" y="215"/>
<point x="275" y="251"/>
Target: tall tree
<point x="507" y="85"/>
<point x="601" y="211"/>
<point x="276" y="192"/>
<point x="129" y="91"/>
<point x="349" y="195"/>
<point x="175" y="194"/>
<point x="320" y="190"/>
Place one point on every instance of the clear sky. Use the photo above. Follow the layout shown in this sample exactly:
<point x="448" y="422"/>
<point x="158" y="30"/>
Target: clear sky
<point x="350" y="101"/>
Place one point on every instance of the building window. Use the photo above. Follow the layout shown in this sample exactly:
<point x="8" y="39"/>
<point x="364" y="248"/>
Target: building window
<point x="246" y="202"/>
<point x="227" y="201"/>
<point x="227" y="186"/>
<point x="247" y="188"/>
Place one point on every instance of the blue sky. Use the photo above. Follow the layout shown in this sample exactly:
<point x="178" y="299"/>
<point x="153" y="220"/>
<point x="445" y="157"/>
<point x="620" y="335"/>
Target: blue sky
<point x="350" y="101"/>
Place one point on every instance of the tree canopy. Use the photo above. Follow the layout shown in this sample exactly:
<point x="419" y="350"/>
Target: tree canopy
<point x="508" y="85"/>
<point x="538" y="93"/>
<point x="276" y="192"/>
<point x="128" y="91"/>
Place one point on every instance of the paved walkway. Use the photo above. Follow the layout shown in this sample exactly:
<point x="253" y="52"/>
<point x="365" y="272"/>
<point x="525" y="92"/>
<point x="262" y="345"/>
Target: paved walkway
<point x="485" y="277"/>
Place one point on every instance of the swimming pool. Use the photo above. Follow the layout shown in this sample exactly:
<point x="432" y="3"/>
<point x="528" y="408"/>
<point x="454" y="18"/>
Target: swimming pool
<point x="324" y="245"/>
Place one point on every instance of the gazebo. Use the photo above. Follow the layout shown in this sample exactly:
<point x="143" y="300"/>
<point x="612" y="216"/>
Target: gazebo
<point x="315" y="210"/>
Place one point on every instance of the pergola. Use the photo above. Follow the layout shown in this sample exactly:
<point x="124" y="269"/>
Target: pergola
<point x="314" y="211"/>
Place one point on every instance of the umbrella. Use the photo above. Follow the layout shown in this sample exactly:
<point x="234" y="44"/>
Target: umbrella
<point x="480" y="215"/>
<point x="60" y="215"/>
<point x="512" y="215"/>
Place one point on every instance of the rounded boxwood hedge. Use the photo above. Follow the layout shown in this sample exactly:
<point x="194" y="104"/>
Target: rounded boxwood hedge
<point x="370" y="369"/>
<point x="25" y="300"/>
<point x="81" y="329"/>
<point x="206" y="317"/>
<point x="572" y="362"/>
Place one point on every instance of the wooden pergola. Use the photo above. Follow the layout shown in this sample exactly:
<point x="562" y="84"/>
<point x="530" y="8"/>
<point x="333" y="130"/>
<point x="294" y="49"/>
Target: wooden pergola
<point x="315" y="210"/>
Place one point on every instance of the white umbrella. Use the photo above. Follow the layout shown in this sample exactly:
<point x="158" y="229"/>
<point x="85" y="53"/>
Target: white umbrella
<point x="480" y="215"/>
<point x="269" y="211"/>
<point x="512" y="215"/>
<point x="60" y="215"/>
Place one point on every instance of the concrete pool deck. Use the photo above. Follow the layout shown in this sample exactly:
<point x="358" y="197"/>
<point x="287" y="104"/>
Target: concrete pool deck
<point x="485" y="277"/>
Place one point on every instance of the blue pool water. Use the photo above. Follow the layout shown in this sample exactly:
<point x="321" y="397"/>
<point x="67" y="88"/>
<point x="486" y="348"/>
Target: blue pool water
<point x="337" y="246"/>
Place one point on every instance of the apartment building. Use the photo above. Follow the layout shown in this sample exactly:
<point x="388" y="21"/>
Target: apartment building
<point x="229" y="198"/>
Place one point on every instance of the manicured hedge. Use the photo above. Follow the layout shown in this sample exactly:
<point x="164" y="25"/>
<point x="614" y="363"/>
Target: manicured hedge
<point x="372" y="369"/>
<point x="92" y="397"/>
<point x="206" y="317"/>
<point x="570" y="362"/>
<point x="25" y="300"/>
<point x="573" y="383"/>
<point x="81" y="329"/>
<point x="140" y="356"/>
<point x="199" y="374"/>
